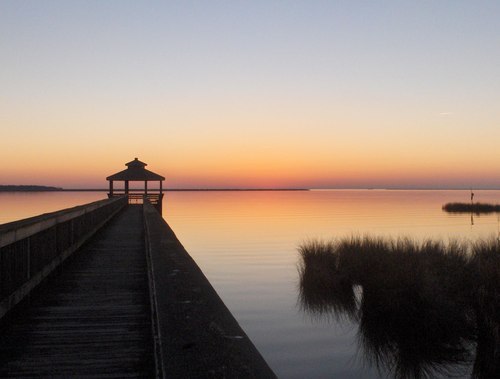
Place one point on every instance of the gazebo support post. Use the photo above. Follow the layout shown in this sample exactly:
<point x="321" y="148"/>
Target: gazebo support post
<point x="159" y="207"/>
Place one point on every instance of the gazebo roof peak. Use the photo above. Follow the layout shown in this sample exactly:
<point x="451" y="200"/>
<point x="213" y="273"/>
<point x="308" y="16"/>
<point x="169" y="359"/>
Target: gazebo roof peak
<point x="135" y="172"/>
<point x="136" y="163"/>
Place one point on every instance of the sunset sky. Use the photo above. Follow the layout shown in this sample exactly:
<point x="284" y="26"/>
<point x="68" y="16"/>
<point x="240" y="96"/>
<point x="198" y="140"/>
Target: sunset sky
<point x="245" y="94"/>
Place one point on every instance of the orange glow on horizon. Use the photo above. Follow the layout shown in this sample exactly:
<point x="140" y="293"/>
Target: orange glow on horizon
<point x="254" y="164"/>
<point x="260" y="174"/>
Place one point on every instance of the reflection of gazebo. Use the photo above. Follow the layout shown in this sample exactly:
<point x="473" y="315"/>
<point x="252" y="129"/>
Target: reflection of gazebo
<point x="136" y="172"/>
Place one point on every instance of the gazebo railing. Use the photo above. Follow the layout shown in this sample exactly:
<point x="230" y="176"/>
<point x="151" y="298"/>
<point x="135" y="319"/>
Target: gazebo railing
<point x="138" y="198"/>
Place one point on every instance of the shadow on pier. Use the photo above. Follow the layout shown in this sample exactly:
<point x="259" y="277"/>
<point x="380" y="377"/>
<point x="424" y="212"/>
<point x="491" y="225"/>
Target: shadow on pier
<point x="129" y="301"/>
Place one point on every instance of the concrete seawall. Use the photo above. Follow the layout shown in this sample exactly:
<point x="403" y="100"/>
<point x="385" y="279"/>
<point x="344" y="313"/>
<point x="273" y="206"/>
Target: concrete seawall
<point x="196" y="334"/>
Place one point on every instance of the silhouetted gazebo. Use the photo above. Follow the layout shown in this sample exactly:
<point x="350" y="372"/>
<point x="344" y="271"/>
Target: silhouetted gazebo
<point x="136" y="172"/>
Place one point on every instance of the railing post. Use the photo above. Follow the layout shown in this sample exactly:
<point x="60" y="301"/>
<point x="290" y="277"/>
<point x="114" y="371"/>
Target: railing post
<point x="28" y="260"/>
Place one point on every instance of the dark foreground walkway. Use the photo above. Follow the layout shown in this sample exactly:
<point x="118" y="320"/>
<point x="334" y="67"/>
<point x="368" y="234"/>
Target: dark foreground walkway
<point x="94" y="319"/>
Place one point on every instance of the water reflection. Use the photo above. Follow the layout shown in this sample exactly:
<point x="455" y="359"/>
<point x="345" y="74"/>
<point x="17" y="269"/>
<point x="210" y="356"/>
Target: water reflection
<point x="423" y="310"/>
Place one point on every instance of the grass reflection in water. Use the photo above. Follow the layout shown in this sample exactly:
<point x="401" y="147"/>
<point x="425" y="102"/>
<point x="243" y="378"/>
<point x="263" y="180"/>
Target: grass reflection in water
<point x="423" y="309"/>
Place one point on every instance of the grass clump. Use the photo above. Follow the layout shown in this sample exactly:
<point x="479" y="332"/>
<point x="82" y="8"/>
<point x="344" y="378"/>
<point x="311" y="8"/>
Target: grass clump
<point x="476" y="208"/>
<point x="426" y="308"/>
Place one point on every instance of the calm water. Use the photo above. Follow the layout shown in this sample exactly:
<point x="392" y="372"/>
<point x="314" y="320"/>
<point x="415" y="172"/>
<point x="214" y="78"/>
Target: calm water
<point x="246" y="244"/>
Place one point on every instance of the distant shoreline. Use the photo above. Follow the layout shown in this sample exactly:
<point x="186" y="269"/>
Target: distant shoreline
<point x="28" y="188"/>
<point x="15" y="188"/>
<point x="192" y="189"/>
<point x="37" y="188"/>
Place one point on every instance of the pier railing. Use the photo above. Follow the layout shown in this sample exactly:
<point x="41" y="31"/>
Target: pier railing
<point x="31" y="249"/>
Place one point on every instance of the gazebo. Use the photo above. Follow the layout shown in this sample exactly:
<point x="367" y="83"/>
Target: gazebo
<point x="136" y="172"/>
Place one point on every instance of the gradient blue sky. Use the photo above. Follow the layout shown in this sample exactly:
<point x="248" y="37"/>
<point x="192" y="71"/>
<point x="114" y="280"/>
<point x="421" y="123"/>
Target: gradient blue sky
<point x="252" y="94"/>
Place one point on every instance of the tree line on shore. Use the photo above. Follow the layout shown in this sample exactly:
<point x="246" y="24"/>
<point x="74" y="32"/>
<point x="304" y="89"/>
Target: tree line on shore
<point x="27" y="188"/>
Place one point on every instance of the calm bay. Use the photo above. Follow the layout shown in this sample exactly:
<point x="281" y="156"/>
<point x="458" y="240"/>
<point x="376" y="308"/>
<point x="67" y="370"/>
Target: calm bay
<point x="246" y="244"/>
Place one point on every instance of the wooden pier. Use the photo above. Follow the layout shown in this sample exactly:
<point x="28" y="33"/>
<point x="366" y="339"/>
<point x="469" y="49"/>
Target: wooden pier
<point x="128" y="302"/>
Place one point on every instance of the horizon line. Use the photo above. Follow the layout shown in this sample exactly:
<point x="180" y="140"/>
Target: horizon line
<point x="152" y="190"/>
<point x="42" y="188"/>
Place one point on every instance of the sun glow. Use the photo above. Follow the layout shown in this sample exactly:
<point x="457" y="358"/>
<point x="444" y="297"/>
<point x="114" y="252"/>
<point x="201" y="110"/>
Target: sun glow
<point x="211" y="97"/>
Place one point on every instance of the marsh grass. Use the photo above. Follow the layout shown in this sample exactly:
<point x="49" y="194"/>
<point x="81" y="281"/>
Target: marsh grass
<point x="476" y="208"/>
<point x="427" y="307"/>
<point x="325" y="290"/>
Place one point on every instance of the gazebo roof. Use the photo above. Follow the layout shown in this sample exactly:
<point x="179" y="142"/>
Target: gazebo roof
<point x="135" y="172"/>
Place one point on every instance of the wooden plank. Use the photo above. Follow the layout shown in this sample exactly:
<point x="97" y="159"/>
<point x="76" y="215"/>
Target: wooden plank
<point x="93" y="320"/>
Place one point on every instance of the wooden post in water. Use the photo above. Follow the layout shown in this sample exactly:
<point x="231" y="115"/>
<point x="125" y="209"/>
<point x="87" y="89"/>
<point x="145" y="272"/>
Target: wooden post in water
<point x="136" y="172"/>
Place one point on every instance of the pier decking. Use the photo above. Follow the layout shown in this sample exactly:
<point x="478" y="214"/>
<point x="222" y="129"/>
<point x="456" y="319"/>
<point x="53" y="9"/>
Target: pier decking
<point x="93" y="320"/>
<point x="129" y="303"/>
